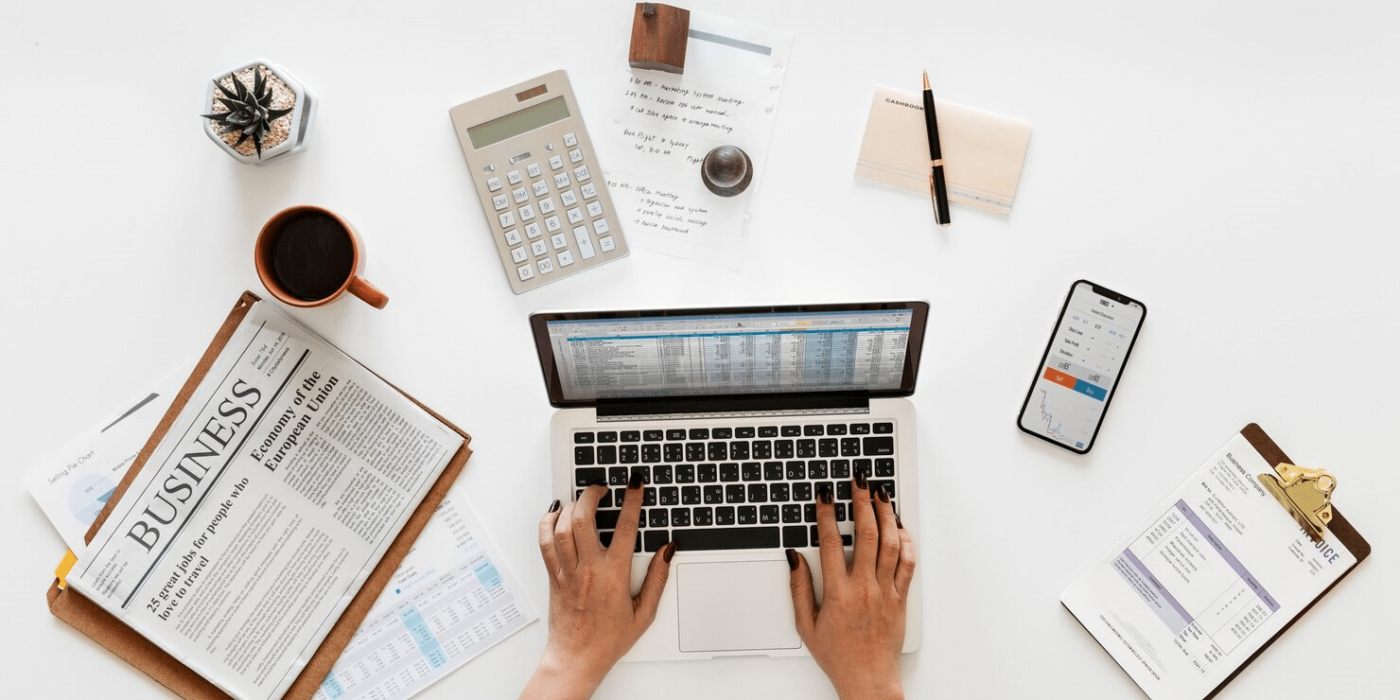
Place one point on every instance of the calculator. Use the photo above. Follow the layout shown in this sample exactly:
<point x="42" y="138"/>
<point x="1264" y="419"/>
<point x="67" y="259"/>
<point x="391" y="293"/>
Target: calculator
<point x="539" y="181"/>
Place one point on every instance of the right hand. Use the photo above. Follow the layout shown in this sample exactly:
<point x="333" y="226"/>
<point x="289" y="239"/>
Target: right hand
<point x="857" y="630"/>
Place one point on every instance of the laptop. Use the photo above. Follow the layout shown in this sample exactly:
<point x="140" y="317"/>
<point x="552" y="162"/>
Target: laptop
<point x="734" y="417"/>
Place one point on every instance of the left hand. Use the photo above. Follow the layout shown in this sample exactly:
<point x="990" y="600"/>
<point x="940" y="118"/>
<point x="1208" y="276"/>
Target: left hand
<point x="593" y="616"/>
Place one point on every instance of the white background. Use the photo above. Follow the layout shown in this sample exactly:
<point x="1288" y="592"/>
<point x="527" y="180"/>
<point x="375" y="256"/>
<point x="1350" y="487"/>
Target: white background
<point x="1232" y="165"/>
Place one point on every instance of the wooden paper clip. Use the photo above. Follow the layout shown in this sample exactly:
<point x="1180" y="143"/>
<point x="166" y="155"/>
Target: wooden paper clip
<point x="1305" y="493"/>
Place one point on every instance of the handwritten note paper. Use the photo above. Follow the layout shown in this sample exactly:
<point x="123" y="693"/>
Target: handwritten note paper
<point x="664" y="124"/>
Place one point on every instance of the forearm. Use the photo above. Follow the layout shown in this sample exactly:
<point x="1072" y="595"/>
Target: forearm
<point x="557" y="679"/>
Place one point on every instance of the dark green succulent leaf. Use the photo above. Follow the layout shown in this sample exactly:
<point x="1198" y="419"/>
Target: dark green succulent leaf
<point x="275" y="114"/>
<point x="221" y="89"/>
<point x="242" y="90"/>
<point x="258" y="81"/>
<point x="231" y="129"/>
<point x="240" y="140"/>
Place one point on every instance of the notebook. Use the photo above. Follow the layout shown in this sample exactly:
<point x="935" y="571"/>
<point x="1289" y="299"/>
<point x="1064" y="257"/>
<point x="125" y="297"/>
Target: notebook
<point x="733" y="417"/>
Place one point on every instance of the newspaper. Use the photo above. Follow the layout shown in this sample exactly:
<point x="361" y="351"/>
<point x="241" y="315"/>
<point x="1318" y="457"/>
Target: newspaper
<point x="261" y="513"/>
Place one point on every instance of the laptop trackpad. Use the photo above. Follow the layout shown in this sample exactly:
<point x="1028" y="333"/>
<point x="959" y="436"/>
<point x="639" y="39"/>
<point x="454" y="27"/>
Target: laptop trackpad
<point x="735" y="606"/>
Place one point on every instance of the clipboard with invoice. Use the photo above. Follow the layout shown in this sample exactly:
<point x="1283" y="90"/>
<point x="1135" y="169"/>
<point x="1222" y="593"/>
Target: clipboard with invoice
<point x="1211" y="577"/>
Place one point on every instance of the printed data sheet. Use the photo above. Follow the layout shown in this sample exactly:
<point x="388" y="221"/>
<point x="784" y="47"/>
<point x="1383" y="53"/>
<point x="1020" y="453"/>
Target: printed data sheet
<point x="1205" y="581"/>
<point x="451" y="599"/>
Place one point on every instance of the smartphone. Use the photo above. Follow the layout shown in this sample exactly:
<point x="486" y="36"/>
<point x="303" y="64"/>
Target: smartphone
<point x="1082" y="366"/>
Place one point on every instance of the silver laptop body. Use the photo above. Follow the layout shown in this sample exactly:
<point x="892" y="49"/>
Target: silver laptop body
<point x="734" y="416"/>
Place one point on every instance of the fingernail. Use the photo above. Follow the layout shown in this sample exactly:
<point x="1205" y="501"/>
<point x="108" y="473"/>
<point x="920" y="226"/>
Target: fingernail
<point x="824" y="493"/>
<point x="636" y="481"/>
<point x="884" y="497"/>
<point x="553" y="506"/>
<point x="599" y="482"/>
<point x="861" y="481"/>
<point x="792" y="559"/>
<point x="898" y="522"/>
<point x="669" y="551"/>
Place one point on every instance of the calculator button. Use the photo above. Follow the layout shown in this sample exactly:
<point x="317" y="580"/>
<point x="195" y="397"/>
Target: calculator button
<point x="559" y="240"/>
<point x="532" y="231"/>
<point x="581" y="173"/>
<point x="533" y="170"/>
<point x="513" y="177"/>
<point x="601" y="227"/>
<point x="555" y="162"/>
<point x="520" y="195"/>
<point x="568" y="198"/>
<point x="589" y="191"/>
<point x="575" y="155"/>
<point x="552" y="224"/>
<point x="547" y="205"/>
<point x="570" y="140"/>
<point x="546" y="266"/>
<point x="585" y="244"/>
<point x="595" y="209"/>
<point x="605" y="244"/>
<point x="575" y="215"/>
<point x="494" y="184"/>
<point x="500" y="202"/>
<point x="513" y="237"/>
<point x="561" y="180"/>
<point x="541" y="188"/>
<point x="518" y="254"/>
<point x="565" y="258"/>
<point x="527" y="212"/>
<point x="526" y="272"/>
<point x="538" y="248"/>
<point x="507" y="218"/>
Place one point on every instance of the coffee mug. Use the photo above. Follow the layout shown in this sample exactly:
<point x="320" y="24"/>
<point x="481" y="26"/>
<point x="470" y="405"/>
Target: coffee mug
<point x="308" y="256"/>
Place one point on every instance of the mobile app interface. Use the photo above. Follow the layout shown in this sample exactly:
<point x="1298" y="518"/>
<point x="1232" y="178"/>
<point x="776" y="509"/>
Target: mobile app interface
<point x="1085" y="359"/>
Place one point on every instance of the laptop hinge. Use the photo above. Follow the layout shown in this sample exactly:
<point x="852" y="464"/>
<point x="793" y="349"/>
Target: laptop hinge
<point x="672" y="409"/>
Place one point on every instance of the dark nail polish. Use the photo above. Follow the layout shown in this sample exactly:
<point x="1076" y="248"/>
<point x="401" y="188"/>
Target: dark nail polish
<point x="554" y="506"/>
<point x="636" y="481"/>
<point x="898" y="522"/>
<point x="883" y="495"/>
<point x="669" y="551"/>
<point x="599" y="482"/>
<point x="861" y="481"/>
<point x="792" y="559"/>
<point x="824" y="493"/>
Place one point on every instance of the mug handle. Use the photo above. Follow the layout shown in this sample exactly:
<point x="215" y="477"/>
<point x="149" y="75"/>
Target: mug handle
<point x="368" y="293"/>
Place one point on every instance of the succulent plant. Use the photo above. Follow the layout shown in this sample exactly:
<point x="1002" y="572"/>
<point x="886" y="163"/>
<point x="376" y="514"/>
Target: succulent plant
<point x="249" y="111"/>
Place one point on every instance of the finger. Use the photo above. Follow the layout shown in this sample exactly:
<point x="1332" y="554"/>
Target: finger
<point x="888" y="558"/>
<point x="904" y="574"/>
<point x="625" y="536"/>
<point x="804" y="599"/>
<point x="564" y="538"/>
<point x="547" y="547"/>
<point x="584" y="526"/>
<point x="829" y="536"/>
<point x="644" y="605"/>
<point x="867" y="535"/>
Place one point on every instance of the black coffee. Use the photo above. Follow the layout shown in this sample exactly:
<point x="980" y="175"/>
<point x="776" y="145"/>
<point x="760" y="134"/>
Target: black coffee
<point x="313" y="256"/>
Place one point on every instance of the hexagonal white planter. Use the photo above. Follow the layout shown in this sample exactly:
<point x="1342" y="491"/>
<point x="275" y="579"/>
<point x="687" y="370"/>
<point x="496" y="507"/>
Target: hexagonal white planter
<point x="288" y="134"/>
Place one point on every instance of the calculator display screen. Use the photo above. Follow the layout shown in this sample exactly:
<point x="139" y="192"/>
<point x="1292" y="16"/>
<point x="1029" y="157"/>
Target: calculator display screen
<point x="517" y="123"/>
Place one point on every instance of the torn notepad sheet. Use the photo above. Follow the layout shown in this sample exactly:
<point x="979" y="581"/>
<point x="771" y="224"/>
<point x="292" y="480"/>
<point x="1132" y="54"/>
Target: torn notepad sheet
<point x="983" y="152"/>
<point x="663" y="125"/>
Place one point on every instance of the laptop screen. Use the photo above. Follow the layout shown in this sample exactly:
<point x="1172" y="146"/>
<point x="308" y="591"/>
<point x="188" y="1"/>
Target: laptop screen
<point x="865" y="349"/>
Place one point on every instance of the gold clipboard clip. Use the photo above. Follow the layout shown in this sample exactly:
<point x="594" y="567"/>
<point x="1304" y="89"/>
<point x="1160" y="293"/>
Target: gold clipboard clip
<point x="1305" y="493"/>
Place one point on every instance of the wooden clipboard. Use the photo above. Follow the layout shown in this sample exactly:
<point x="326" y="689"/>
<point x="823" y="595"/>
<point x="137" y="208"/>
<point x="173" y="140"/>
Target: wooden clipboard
<point x="1346" y="534"/>
<point x="90" y="619"/>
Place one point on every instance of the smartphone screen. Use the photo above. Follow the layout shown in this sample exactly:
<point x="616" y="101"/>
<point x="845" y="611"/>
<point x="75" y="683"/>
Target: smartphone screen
<point x="1082" y="366"/>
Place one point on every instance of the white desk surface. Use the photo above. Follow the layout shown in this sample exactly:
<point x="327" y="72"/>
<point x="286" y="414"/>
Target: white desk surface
<point x="1233" y="165"/>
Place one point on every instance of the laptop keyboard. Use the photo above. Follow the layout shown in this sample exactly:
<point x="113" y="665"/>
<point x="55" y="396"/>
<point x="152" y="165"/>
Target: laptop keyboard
<point x="733" y="487"/>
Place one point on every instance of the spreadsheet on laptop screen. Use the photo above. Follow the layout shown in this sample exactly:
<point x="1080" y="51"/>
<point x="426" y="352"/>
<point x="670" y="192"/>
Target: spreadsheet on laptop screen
<point x="731" y="354"/>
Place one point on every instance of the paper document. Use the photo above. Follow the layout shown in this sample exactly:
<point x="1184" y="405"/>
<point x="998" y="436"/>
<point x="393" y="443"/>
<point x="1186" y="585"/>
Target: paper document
<point x="451" y="599"/>
<point x="72" y="485"/>
<point x="982" y="152"/>
<point x="260" y="513"/>
<point x="1205" y="581"/>
<point x="663" y="124"/>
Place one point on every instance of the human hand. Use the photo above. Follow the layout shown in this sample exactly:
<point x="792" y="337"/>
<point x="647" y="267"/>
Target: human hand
<point x="855" y="634"/>
<point x="593" y="616"/>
